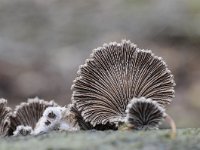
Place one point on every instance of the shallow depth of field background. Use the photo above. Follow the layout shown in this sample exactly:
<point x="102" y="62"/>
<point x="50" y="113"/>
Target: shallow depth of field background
<point x="43" y="42"/>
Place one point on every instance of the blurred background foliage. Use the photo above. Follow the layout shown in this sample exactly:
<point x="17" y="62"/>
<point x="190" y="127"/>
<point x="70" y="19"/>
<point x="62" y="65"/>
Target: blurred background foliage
<point x="42" y="43"/>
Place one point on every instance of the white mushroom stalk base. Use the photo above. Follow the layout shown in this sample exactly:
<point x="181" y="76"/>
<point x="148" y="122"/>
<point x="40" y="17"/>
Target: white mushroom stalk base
<point x="172" y="124"/>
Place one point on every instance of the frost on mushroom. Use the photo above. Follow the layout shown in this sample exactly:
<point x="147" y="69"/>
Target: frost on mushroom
<point x="115" y="74"/>
<point x="5" y="112"/>
<point x="28" y="114"/>
<point x="144" y="113"/>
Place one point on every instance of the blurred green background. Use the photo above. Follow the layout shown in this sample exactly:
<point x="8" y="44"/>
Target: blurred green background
<point x="42" y="43"/>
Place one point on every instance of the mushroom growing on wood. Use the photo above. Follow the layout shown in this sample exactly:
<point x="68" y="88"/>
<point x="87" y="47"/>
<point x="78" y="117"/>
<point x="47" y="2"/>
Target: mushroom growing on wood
<point x="112" y="81"/>
<point x="27" y="114"/>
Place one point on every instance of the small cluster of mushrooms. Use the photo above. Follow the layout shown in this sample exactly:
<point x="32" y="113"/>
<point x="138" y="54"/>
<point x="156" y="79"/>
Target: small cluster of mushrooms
<point x="119" y="87"/>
